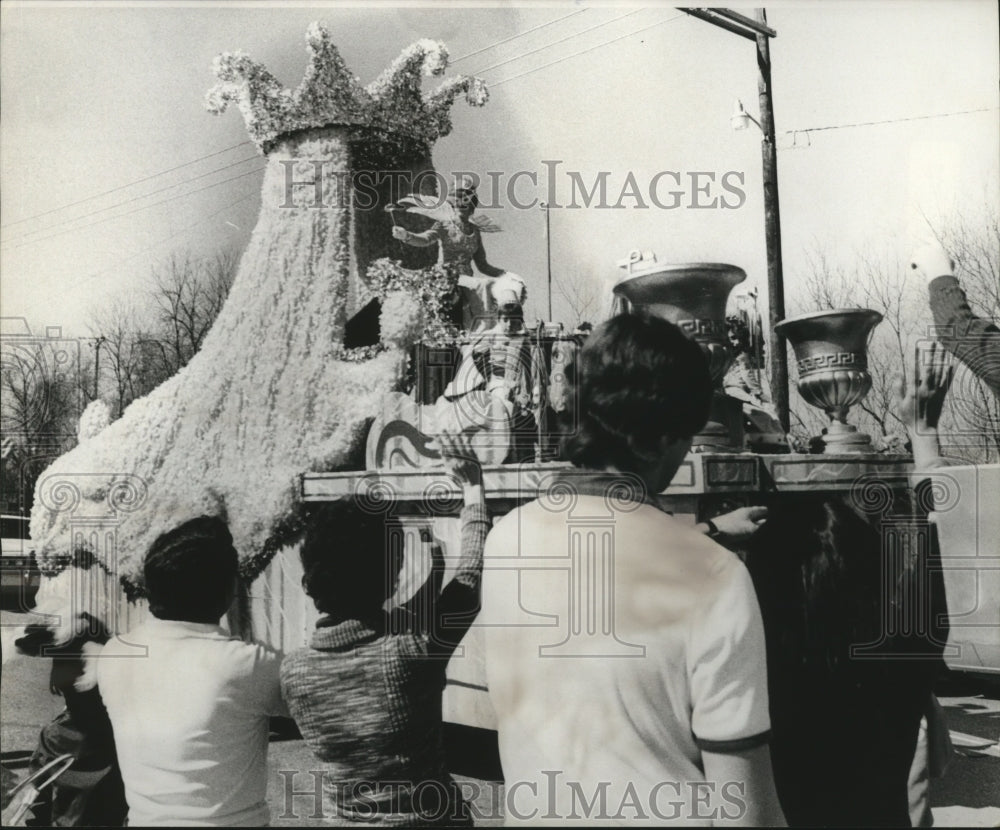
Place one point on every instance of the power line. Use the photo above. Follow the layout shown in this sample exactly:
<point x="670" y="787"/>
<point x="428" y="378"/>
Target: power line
<point x="129" y="201"/>
<point x="584" y="51"/>
<point x="887" y="121"/>
<point x="561" y="40"/>
<point x="519" y="34"/>
<point x="123" y="186"/>
<point x="244" y="143"/>
<point x="148" y="248"/>
<point x="144" y="207"/>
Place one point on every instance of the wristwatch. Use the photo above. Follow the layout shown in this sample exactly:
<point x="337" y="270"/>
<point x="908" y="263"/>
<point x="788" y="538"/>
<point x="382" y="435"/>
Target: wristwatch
<point x="713" y="529"/>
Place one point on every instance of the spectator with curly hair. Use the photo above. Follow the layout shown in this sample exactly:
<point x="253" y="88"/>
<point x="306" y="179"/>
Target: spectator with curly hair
<point x="689" y="709"/>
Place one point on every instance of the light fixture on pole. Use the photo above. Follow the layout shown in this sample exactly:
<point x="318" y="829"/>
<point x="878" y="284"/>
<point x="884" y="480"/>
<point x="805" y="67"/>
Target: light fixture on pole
<point x="740" y="119"/>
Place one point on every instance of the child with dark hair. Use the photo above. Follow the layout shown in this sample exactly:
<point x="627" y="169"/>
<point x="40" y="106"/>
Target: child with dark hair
<point x="89" y="793"/>
<point x="690" y="708"/>
<point x="191" y="714"/>
<point x="845" y="699"/>
<point x="366" y="693"/>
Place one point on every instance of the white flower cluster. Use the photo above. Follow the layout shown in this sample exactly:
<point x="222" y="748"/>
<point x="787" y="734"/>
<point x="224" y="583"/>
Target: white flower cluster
<point x="401" y="320"/>
<point x="330" y="94"/>
<point x="94" y="419"/>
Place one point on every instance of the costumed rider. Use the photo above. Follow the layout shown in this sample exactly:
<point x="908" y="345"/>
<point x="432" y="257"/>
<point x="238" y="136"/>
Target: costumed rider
<point x="458" y="233"/>
<point x="500" y="354"/>
<point x="741" y="380"/>
<point x="499" y="362"/>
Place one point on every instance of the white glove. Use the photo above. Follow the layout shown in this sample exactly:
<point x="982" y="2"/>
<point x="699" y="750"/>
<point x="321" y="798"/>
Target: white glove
<point x="931" y="261"/>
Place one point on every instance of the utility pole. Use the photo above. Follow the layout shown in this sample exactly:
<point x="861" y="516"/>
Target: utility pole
<point x="548" y="256"/>
<point x="98" y="342"/>
<point x="772" y="230"/>
<point x="757" y="30"/>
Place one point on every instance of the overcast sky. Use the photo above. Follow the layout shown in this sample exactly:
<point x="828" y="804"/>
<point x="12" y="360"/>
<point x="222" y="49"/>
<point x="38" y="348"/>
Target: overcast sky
<point x="99" y="99"/>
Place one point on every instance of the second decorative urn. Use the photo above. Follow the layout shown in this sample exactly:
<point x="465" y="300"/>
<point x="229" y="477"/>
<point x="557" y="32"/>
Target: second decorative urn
<point x="831" y="348"/>
<point x="693" y="297"/>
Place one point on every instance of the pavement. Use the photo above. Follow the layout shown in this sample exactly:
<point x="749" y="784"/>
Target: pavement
<point x="968" y="795"/>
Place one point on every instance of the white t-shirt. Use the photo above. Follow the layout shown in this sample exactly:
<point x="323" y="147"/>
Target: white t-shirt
<point x="630" y="644"/>
<point x="191" y="723"/>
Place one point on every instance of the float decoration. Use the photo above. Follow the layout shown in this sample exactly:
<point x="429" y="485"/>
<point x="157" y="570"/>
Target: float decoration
<point x="693" y="297"/>
<point x="831" y="348"/>
<point x="280" y="387"/>
<point x="330" y="94"/>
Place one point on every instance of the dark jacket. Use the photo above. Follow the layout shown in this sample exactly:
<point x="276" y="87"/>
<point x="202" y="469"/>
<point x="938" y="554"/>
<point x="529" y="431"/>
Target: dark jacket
<point x="973" y="340"/>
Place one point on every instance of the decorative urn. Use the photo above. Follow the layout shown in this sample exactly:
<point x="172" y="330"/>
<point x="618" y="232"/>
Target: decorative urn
<point x="693" y="297"/>
<point x="831" y="349"/>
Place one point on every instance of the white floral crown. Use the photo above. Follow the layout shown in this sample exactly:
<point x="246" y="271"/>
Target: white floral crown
<point x="330" y="94"/>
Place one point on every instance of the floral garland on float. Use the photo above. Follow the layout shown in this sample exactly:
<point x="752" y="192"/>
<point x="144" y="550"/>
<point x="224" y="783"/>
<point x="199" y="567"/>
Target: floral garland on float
<point x="414" y="302"/>
<point x="274" y="392"/>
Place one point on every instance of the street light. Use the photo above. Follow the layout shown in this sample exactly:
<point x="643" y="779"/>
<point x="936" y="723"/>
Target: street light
<point x="740" y="119"/>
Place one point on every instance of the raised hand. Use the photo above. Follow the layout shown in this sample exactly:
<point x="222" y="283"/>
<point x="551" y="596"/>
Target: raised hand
<point x="919" y="406"/>
<point x="460" y="458"/>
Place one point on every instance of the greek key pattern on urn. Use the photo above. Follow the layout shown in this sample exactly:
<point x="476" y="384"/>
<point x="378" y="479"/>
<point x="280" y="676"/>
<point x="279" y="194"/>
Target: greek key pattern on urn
<point x="704" y="328"/>
<point x="832" y="360"/>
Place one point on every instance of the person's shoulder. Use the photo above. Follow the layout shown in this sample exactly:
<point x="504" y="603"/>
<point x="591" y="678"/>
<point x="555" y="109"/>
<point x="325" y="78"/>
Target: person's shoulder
<point x="248" y="659"/>
<point x="299" y="663"/>
<point x="254" y="648"/>
<point x="682" y="549"/>
<point x="720" y="566"/>
<point x="516" y="525"/>
<point x="505" y="526"/>
<point x="127" y="643"/>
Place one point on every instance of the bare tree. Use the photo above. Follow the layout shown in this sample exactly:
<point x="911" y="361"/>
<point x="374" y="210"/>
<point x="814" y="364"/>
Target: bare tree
<point x="121" y="357"/>
<point x="38" y="384"/>
<point x="974" y="242"/>
<point x="39" y="405"/>
<point x="582" y="298"/>
<point x="188" y="296"/>
<point x="827" y="284"/>
<point x="135" y="348"/>
<point x="875" y="278"/>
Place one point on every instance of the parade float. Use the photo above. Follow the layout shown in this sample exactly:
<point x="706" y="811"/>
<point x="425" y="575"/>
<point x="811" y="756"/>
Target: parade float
<point x="346" y="343"/>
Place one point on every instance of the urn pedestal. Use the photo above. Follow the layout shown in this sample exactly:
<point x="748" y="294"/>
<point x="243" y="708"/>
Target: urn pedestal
<point x="693" y="297"/>
<point x="831" y="348"/>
